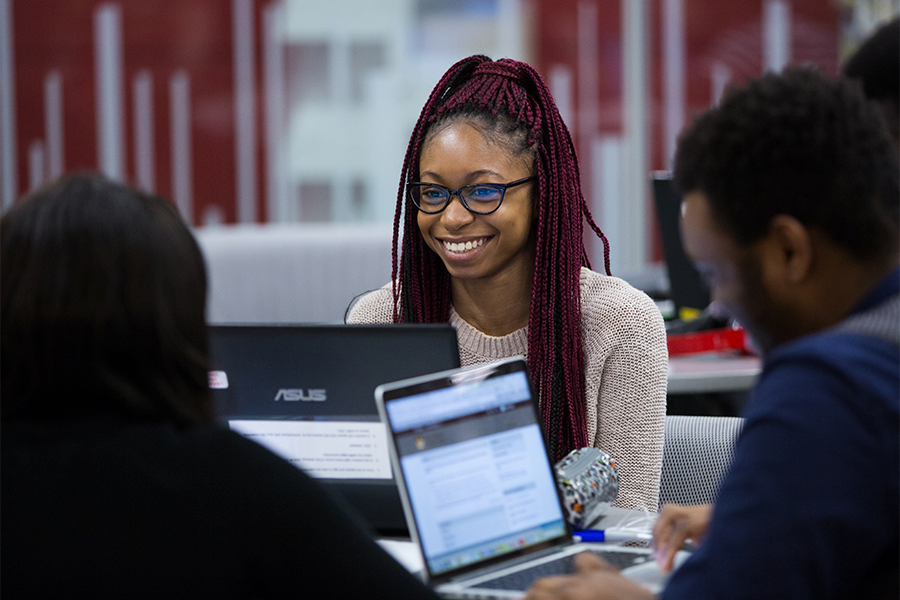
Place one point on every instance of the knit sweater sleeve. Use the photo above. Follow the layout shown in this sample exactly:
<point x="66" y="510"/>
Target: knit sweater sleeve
<point x="376" y="306"/>
<point x="626" y="373"/>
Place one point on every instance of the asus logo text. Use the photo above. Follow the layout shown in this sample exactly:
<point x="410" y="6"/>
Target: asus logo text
<point x="300" y="395"/>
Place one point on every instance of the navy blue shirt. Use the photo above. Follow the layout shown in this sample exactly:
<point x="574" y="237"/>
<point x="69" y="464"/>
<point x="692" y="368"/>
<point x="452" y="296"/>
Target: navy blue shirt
<point x="810" y="506"/>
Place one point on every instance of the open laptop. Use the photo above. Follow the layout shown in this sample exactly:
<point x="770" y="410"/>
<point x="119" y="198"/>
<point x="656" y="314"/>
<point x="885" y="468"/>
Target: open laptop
<point x="307" y="393"/>
<point x="477" y="484"/>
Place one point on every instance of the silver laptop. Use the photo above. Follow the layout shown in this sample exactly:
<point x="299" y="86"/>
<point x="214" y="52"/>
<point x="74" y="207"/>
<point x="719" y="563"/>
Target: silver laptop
<point x="476" y="482"/>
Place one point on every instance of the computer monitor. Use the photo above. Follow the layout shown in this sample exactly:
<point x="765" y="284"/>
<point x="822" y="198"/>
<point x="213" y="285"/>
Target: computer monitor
<point x="686" y="287"/>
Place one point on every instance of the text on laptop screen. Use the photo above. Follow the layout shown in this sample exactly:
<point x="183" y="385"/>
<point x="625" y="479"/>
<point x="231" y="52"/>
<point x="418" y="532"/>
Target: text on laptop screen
<point x="324" y="449"/>
<point x="476" y="470"/>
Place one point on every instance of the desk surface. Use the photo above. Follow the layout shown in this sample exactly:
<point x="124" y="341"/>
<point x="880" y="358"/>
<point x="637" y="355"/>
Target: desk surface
<point x="712" y="372"/>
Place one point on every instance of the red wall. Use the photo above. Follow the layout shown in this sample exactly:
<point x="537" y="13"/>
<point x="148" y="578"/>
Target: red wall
<point x="160" y="37"/>
<point x="196" y="35"/>
<point x="726" y="31"/>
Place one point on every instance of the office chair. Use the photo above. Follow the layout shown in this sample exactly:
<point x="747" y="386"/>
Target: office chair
<point x="697" y="453"/>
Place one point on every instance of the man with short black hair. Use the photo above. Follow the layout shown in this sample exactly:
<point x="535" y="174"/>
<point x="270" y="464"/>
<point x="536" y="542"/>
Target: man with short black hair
<point x="791" y="213"/>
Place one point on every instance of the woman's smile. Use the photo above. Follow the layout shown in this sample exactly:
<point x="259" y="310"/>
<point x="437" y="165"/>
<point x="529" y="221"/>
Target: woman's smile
<point x="464" y="248"/>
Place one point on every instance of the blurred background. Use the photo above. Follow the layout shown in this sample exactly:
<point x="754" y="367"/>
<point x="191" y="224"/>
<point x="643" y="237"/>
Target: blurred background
<point x="299" y="111"/>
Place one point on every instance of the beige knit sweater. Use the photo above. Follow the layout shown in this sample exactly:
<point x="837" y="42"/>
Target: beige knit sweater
<point x="625" y="352"/>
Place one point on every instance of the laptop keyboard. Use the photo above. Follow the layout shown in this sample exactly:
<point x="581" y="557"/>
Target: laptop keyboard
<point x="522" y="580"/>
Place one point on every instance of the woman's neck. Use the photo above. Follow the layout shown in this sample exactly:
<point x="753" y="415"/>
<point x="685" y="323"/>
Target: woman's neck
<point x="496" y="306"/>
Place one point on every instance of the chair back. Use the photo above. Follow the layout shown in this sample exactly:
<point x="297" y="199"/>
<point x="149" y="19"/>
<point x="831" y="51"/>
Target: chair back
<point x="292" y="273"/>
<point x="697" y="453"/>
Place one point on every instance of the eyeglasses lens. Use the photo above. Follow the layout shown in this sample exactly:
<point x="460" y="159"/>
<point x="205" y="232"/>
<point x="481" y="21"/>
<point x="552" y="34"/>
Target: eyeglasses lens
<point x="482" y="198"/>
<point x="428" y="198"/>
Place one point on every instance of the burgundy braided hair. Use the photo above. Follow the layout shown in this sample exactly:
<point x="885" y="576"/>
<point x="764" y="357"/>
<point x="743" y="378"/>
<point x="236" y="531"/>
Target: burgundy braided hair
<point x="511" y="95"/>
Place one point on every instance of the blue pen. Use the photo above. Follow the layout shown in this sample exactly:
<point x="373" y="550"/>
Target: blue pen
<point x="601" y="535"/>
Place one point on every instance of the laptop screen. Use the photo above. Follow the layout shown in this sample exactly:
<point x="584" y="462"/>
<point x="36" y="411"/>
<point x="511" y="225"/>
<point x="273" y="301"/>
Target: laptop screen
<point x="306" y="392"/>
<point x="475" y="467"/>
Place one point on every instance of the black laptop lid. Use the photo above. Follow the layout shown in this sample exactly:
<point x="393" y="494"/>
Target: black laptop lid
<point x="310" y="382"/>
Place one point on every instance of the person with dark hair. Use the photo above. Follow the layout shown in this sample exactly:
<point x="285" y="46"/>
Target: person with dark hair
<point x="491" y="213"/>
<point x="791" y="212"/>
<point x="876" y="65"/>
<point x="116" y="481"/>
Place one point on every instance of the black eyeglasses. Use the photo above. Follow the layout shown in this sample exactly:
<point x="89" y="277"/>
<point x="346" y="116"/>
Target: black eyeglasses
<point x="479" y="198"/>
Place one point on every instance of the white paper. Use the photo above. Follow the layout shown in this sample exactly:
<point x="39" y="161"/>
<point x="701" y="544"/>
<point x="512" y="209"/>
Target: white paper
<point x="324" y="449"/>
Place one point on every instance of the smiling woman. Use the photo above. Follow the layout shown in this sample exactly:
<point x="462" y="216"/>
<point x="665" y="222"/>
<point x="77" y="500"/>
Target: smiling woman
<point x="492" y="214"/>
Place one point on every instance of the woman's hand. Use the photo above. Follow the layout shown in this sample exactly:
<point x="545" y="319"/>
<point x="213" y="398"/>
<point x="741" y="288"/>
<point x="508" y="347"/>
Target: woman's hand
<point x="675" y="525"/>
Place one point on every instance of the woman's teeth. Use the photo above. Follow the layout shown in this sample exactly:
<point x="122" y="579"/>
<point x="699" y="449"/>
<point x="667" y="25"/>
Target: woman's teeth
<point x="463" y="247"/>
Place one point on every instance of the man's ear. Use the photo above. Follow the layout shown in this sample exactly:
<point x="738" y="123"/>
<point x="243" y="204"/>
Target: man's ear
<point x="791" y="246"/>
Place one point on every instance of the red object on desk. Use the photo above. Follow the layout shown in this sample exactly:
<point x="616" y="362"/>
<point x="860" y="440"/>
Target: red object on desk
<point x="713" y="340"/>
